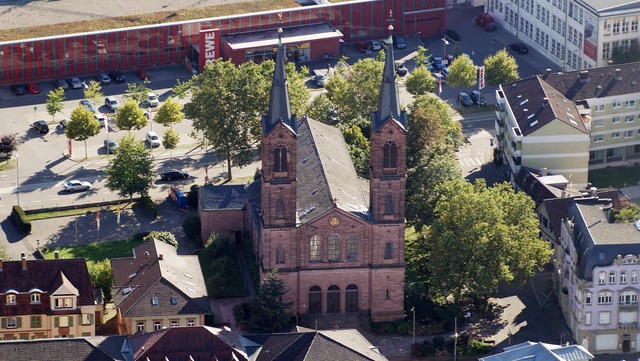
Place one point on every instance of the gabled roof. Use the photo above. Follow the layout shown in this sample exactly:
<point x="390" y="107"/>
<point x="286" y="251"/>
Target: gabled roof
<point x="326" y="175"/>
<point x="539" y="188"/>
<point x="541" y="352"/>
<point x="156" y="270"/>
<point x="317" y="345"/>
<point x="46" y="275"/>
<point x="63" y="287"/>
<point x="97" y="348"/>
<point x="227" y="197"/>
<point x="535" y="103"/>
<point x="180" y="343"/>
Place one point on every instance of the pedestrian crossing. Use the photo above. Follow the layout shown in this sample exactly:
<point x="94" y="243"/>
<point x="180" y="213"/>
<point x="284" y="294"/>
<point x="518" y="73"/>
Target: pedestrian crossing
<point x="471" y="162"/>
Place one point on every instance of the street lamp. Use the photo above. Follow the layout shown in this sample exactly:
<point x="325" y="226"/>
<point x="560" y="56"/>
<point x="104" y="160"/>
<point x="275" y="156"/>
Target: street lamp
<point x="18" y="177"/>
<point x="444" y="48"/>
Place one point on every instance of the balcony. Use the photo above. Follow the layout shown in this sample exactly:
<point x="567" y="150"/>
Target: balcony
<point x="499" y="126"/>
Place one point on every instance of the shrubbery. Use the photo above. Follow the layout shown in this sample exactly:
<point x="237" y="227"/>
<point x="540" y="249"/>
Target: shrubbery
<point x="149" y="205"/>
<point x="191" y="227"/>
<point x="163" y="236"/>
<point x="21" y="220"/>
<point x="192" y="196"/>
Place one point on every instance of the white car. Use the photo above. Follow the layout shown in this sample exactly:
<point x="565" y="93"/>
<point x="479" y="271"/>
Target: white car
<point x="112" y="103"/>
<point x="153" y="139"/>
<point x="76" y="185"/>
<point x="100" y="117"/>
<point x="152" y="100"/>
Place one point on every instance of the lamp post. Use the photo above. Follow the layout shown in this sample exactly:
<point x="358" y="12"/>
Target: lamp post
<point x="413" y="344"/>
<point x="18" y="177"/>
<point x="455" y="338"/>
<point x="445" y="42"/>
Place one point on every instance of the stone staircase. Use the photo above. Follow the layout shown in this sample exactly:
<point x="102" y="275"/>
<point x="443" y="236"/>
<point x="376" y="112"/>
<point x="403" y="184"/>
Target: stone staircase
<point x="337" y="321"/>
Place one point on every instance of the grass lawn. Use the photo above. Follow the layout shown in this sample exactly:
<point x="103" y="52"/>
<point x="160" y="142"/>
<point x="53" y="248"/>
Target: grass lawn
<point x="95" y="252"/>
<point x="617" y="177"/>
<point x="222" y="265"/>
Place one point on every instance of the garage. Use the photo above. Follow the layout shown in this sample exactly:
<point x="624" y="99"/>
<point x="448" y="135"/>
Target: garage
<point x="606" y="342"/>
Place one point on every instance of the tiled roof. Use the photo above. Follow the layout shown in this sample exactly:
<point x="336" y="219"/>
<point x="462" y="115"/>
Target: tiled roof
<point x="316" y="345"/>
<point x="535" y="103"/>
<point x="178" y="343"/>
<point x="46" y="276"/>
<point x="326" y="175"/>
<point x="223" y="197"/>
<point x="601" y="82"/>
<point x="156" y="270"/>
<point x="541" y="352"/>
<point x="69" y="349"/>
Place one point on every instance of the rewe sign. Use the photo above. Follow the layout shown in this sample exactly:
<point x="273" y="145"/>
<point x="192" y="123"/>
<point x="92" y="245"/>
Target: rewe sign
<point x="209" y="46"/>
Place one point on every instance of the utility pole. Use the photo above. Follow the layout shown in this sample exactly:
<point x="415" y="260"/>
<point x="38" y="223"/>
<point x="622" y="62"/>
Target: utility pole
<point x="455" y="338"/>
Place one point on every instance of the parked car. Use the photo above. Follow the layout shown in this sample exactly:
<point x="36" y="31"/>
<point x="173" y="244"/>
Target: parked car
<point x="439" y="78"/>
<point x="319" y="78"/>
<point x="101" y="118"/>
<point x="63" y="123"/>
<point x="76" y="185"/>
<point x="75" y="83"/>
<point x="437" y="62"/>
<point x="87" y="104"/>
<point x="465" y="99"/>
<point x="399" y="42"/>
<point x="477" y="98"/>
<point x="401" y="70"/>
<point x="374" y="45"/>
<point x="41" y="127"/>
<point x="485" y="21"/>
<point x="152" y="99"/>
<point x="111" y="146"/>
<point x="153" y="139"/>
<point x="519" y="48"/>
<point x="117" y="77"/>
<point x="361" y="47"/>
<point x="112" y="103"/>
<point x="143" y="74"/>
<point x="19" y="89"/>
<point x="33" y="88"/>
<point x="171" y="174"/>
<point x="103" y="78"/>
<point x="61" y="83"/>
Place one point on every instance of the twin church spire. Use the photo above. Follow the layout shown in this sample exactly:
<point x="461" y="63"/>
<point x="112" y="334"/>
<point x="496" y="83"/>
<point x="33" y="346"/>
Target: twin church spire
<point x="279" y="107"/>
<point x="388" y="101"/>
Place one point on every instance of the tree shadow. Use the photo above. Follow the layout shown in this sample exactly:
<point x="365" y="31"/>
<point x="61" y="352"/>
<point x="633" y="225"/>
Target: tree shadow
<point x="11" y="232"/>
<point x="490" y="172"/>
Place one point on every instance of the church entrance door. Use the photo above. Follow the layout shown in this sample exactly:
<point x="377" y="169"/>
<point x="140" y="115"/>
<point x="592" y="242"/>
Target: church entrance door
<point x="315" y="300"/>
<point x="351" y="299"/>
<point x="333" y="299"/>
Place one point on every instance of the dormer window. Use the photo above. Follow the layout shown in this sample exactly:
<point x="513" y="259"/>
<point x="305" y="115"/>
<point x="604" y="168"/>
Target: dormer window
<point x="11" y="299"/>
<point x="64" y="302"/>
<point x="280" y="159"/>
<point x="35" y="298"/>
<point x="154" y="301"/>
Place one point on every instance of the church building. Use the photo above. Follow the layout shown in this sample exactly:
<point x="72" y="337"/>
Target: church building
<point x="336" y="239"/>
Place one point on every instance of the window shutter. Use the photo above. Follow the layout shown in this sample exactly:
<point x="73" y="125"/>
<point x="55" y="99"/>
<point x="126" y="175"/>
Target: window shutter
<point x="19" y="322"/>
<point x="56" y="322"/>
<point x="4" y="322"/>
<point x="70" y="321"/>
<point x="80" y="319"/>
<point x="91" y="319"/>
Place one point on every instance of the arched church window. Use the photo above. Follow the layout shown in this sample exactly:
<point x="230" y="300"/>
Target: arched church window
<point x="280" y="208"/>
<point x="388" y="204"/>
<point x="334" y="247"/>
<point x="390" y="155"/>
<point x="280" y="254"/>
<point x="388" y="250"/>
<point x="280" y="158"/>
<point x="314" y="248"/>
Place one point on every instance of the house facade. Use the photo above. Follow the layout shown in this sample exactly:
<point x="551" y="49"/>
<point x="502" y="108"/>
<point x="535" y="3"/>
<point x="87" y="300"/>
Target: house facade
<point x="46" y="299"/>
<point x="157" y="289"/>
<point x="574" y="34"/>
<point x="599" y="278"/>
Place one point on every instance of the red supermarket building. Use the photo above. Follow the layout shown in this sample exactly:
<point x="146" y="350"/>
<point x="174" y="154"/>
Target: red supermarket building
<point x="310" y="32"/>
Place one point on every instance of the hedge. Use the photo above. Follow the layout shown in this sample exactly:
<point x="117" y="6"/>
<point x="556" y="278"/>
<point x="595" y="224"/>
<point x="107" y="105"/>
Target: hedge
<point x="21" y="220"/>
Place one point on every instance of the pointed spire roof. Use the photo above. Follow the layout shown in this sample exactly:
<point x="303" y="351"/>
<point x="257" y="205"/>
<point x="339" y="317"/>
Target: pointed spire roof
<point x="388" y="102"/>
<point x="279" y="108"/>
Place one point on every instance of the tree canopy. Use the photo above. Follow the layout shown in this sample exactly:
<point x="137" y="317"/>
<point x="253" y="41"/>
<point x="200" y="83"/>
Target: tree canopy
<point x="270" y="313"/>
<point x="462" y="72"/>
<point x="130" y="171"/>
<point x="93" y="91"/>
<point x="170" y="113"/>
<point x="500" y="68"/>
<point x="420" y="81"/>
<point x="82" y="126"/>
<point x="131" y="116"/>
<point x="54" y="102"/>
<point x="479" y="238"/>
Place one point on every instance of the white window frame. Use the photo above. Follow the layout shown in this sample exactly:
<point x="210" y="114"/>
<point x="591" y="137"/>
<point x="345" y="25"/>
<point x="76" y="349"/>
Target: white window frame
<point x="623" y="276"/>
<point x="12" y="322"/>
<point x="35" y="297"/>
<point x="634" y="276"/>
<point x="587" y="318"/>
<point x="600" y="108"/>
<point x="86" y="318"/>
<point x="602" y="278"/>
<point x="628" y="134"/>
<point x="630" y="103"/>
<point x="191" y="323"/>
<point x="587" y="298"/>
<point x="604" y="318"/>
<point x="615" y="135"/>
<point x="598" y="138"/>
<point x="616" y="120"/>
<point x="140" y="326"/>
<point x="617" y="104"/>
<point x="598" y="123"/>
<point x="11" y="299"/>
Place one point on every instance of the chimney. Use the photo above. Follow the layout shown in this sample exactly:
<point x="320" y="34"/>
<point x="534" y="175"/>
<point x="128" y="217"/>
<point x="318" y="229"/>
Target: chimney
<point x="146" y="257"/>
<point x="618" y="74"/>
<point x="543" y="172"/>
<point x="24" y="261"/>
<point x="56" y="254"/>
<point x="583" y="76"/>
<point x="548" y="70"/>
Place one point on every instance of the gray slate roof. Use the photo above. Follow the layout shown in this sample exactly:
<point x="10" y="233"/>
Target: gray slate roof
<point x="223" y="197"/>
<point x="535" y="104"/>
<point x="541" y="352"/>
<point x="612" y="5"/>
<point x="97" y="348"/>
<point x="388" y="100"/>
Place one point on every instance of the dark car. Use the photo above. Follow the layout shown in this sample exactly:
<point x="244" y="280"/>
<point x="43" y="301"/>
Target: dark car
<point x="437" y="62"/>
<point x="171" y="174"/>
<point x="465" y="99"/>
<point x="361" y="47"/>
<point x="477" y="98"/>
<point x="63" y="123"/>
<point x="143" y="74"/>
<point x="117" y="77"/>
<point x="19" y="89"/>
<point x="401" y="70"/>
<point x="41" y="127"/>
<point x="61" y="83"/>
<point x="399" y="42"/>
<point x="519" y="48"/>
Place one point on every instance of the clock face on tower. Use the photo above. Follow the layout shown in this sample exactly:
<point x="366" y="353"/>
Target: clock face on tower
<point x="334" y="221"/>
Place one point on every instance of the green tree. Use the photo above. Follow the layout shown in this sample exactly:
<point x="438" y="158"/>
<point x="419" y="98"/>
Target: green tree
<point x="170" y="113"/>
<point x="322" y="110"/>
<point x="420" y="81"/>
<point x="500" y="68"/>
<point x="130" y="116"/>
<point x="480" y="237"/>
<point x="130" y="171"/>
<point x="421" y="56"/>
<point x="462" y="72"/>
<point x="627" y="214"/>
<point x="8" y="143"/>
<point x="170" y="139"/>
<point x="82" y="126"/>
<point x="102" y="277"/>
<point x="54" y="102"/>
<point x="621" y="55"/>
<point x="359" y="148"/>
<point x="137" y="92"/>
<point x="93" y="91"/>
<point x="299" y="94"/>
<point x="270" y="313"/>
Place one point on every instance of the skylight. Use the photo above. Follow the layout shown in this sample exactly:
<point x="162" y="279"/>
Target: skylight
<point x="533" y="123"/>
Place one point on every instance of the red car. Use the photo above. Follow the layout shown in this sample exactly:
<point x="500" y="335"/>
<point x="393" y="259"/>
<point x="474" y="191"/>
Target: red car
<point x="143" y="74"/>
<point x="33" y="88"/>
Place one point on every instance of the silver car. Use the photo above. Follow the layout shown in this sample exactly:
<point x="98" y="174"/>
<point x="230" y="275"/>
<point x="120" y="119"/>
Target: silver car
<point x="76" y="185"/>
<point x="75" y="83"/>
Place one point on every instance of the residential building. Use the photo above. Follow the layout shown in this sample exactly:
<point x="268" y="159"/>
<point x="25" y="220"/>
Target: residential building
<point x="156" y="288"/>
<point x="541" y="352"/>
<point x="574" y="34"/>
<point x="311" y="345"/>
<point x="599" y="276"/>
<point x="94" y="348"/>
<point x="189" y="343"/>
<point x="46" y="299"/>
<point x="545" y="121"/>
<point x="336" y="239"/>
